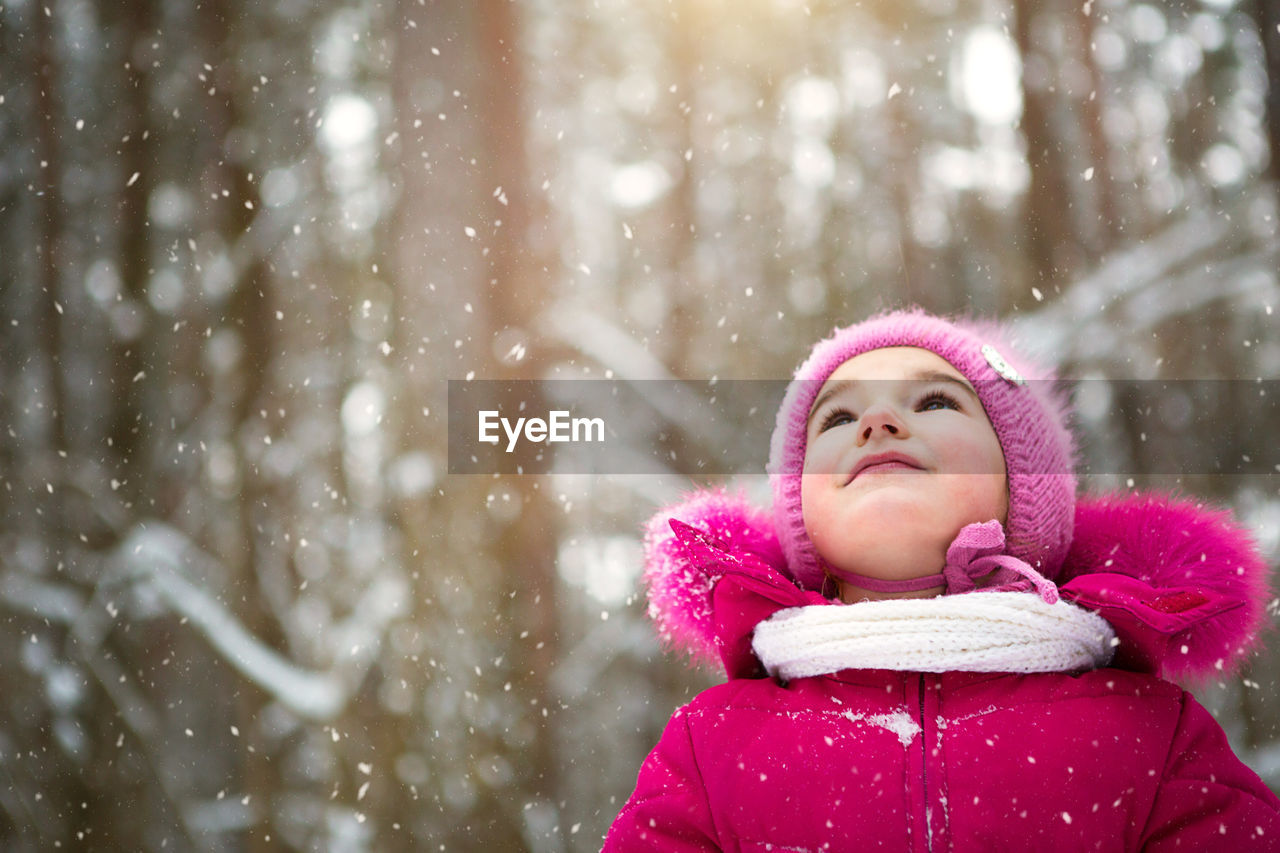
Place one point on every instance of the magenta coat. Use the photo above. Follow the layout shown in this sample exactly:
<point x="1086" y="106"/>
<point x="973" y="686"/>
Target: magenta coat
<point x="1112" y="759"/>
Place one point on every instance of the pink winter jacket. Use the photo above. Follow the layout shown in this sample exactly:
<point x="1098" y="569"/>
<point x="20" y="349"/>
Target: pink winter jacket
<point x="1112" y="759"/>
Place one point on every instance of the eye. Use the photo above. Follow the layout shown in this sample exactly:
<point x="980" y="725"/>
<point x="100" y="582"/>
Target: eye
<point x="937" y="400"/>
<point x="835" y="418"/>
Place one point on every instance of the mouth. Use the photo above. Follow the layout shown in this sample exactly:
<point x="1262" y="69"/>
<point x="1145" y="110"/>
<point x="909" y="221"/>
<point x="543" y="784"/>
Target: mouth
<point x="881" y="463"/>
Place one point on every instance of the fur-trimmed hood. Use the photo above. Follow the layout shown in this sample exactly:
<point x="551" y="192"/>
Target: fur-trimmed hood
<point x="1182" y="584"/>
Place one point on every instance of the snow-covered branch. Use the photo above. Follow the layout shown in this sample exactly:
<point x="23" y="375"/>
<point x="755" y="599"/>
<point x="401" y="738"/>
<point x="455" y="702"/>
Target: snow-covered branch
<point x="598" y="338"/>
<point x="1207" y="256"/>
<point x="616" y="350"/>
<point x="158" y="556"/>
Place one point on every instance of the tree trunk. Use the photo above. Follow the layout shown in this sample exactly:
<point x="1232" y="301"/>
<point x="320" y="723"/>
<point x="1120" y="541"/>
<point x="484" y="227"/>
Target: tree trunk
<point x="1267" y="15"/>
<point x="131" y="369"/>
<point x="519" y="289"/>
<point x="470" y="167"/>
<point x="1105" y="227"/>
<point x="1050" y="241"/>
<point x="49" y="222"/>
<point x="685" y="312"/>
<point x="249" y="313"/>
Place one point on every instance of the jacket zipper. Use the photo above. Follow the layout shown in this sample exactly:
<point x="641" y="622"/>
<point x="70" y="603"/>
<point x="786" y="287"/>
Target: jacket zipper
<point x="924" y="768"/>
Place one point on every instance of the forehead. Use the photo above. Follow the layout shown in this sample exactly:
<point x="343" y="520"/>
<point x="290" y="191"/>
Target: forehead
<point x="892" y="363"/>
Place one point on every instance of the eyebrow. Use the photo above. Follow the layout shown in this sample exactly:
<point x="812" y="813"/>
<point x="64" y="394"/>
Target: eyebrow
<point x="842" y="385"/>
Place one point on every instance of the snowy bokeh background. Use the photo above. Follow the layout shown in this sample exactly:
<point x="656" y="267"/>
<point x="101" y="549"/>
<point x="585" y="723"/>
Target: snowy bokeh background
<point x="245" y="604"/>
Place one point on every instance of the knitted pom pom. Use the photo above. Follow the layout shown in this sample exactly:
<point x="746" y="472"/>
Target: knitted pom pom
<point x="679" y="583"/>
<point x="1177" y="547"/>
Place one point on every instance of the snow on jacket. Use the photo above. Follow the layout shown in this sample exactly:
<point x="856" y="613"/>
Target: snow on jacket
<point x="1112" y="759"/>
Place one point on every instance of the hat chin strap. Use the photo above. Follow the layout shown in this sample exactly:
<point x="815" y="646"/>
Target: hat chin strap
<point x="975" y="554"/>
<point x="881" y="585"/>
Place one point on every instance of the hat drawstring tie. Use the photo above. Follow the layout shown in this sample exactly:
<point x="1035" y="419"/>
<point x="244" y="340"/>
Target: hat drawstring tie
<point x="977" y="552"/>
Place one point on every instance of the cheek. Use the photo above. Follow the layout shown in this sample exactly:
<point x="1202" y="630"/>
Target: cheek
<point x="823" y="454"/>
<point x="980" y="486"/>
<point x="978" y="497"/>
<point x="970" y="452"/>
<point x="813" y="509"/>
<point x="825" y="515"/>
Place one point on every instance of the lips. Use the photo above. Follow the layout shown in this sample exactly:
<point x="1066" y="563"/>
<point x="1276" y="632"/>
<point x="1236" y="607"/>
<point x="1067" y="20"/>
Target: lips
<point x="878" y="462"/>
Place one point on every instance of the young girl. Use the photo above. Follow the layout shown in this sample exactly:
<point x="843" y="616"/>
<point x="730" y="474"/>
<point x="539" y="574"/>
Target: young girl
<point x="931" y="645"/>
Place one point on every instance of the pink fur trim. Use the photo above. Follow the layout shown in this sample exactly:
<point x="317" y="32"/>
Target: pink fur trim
<point x="1175" y="543"/>
<point x="1172" y="544"/>
<point x="679" y="588"/>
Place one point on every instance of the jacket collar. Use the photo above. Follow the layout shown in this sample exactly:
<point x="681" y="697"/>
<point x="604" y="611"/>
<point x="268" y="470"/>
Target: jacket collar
<point x="1183" y="587"/>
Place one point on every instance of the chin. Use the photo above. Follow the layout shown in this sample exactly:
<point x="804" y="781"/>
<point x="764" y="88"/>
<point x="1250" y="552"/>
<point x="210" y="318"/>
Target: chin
<point x="894" y="558"/>
<point x="905" y="510"/>
<point x="893" y="532"/>
<point x="891" y="541"/>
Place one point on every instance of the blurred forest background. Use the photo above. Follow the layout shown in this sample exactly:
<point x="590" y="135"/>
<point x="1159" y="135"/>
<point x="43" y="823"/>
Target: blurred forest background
<point x="244" y="604"/>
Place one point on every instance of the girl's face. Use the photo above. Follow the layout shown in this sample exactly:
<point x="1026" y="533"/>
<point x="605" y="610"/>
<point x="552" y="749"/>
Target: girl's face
<point x="900" y="455"/>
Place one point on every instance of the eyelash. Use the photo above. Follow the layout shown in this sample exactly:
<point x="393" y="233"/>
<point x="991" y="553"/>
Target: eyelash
<point x="941" y="396"/>
<point x="829" y="420"/>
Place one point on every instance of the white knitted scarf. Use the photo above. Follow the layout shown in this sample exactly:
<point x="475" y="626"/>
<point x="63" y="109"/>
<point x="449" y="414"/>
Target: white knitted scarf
<point x="974" y="632"/>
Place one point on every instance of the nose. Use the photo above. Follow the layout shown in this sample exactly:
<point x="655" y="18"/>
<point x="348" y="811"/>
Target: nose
<point x="880" y="420"/>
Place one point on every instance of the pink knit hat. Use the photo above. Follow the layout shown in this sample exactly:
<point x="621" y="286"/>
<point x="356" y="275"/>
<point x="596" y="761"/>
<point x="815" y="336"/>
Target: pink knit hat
<point x="1029" y="418"/>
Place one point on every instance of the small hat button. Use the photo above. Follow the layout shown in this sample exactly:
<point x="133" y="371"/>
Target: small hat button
<point x="999" y="365"/>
